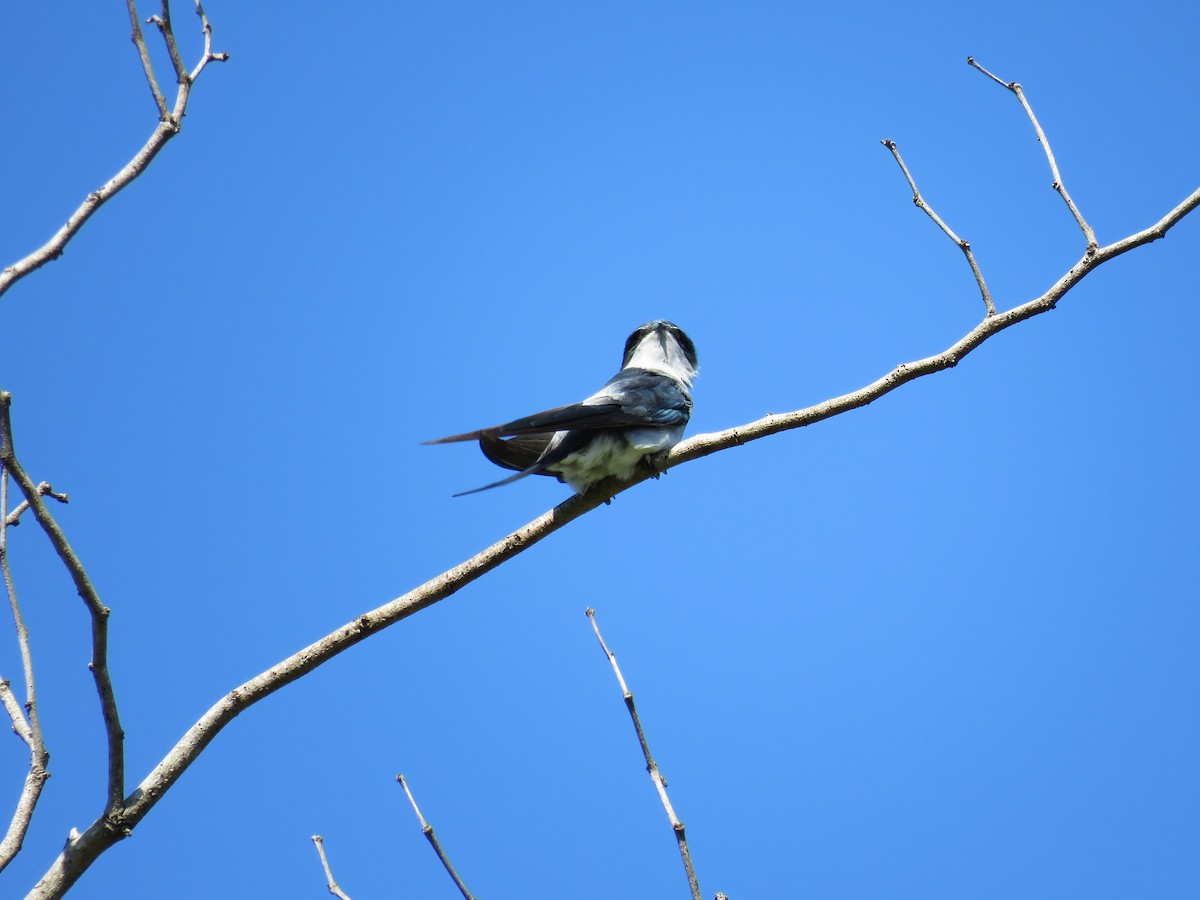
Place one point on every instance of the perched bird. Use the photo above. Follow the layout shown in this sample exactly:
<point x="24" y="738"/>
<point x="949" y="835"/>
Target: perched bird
<point x="640" y="413"/>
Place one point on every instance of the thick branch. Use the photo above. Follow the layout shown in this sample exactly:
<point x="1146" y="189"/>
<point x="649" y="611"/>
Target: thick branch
<point x="83" y="849"/>
<point x="170" y="121"/>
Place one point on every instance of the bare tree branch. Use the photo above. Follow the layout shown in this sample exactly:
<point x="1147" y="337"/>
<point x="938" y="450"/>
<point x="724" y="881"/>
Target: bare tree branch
<point x="139" y="41"/>
<point x="660" y="783"/>
<point x="28" y="729"/>
<point x="44" y="488"/>
<point x="83" y="849"/>
<point x="164" y="26"/>
<point x="12" y="706"/>
<point x="705" y="444"/>
<point x="329" y="882"/>
<point x="964" y="246"/>
<point x="427" y="830"/>
<point x="119" y="818"/>
<point x="1088" y="234"/>
<point x="170" y="121"/>
<point x="97" y="610"/>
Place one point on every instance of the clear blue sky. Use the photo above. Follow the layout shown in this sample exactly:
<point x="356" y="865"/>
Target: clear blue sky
<point x="942" y="647"/>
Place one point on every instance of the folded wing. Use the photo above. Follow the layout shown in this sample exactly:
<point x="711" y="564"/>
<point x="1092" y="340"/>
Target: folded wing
<point x="633" y="398"/>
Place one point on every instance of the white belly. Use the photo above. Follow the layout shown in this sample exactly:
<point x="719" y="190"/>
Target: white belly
<point x="610" y="454"/>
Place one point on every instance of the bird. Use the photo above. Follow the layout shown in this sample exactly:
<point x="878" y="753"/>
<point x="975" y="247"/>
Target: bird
<point x="636" y="418"/>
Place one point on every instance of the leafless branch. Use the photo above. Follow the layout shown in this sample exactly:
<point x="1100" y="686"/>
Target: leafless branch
<point x="12" y="706"/>
<point x="91" y="599"/>
<point x="660" y="783"/>
<point x="163" y="23"/>
<point x="139" y="41"/>
<point x="209" y="56"/>
<point x="964" y="246"/>
<point x="83" y="849"/>
<point x="26" y="722"/>
<point x="170" y="121"/>
<point x="1058" y="185"/>
<point x="14" y="517"/>
<point x="330" y="883"/>
<point x="427" y="830"/>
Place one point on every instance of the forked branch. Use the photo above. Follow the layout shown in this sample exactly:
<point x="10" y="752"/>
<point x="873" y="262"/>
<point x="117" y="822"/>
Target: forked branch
<point x="82" y="849"/>
<point x="170" y="120"/>
<point x="1058" y="185"/>
<point x="96" y="609"/>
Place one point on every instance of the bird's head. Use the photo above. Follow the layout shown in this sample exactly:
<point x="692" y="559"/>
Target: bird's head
<point x="661" y="346"/>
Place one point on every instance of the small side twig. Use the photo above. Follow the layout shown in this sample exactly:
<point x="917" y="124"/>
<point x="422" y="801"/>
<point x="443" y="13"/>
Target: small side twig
<point x="26" y="722"/>
<point x="1088" y="234"/>
<point x="329" y="882"/>
<point x="97" y="610"/>
<point x="46" y="490"/>
<point x="964" y="246"/>
<point x="660" y="783"/>
<point x="427" y="830"/>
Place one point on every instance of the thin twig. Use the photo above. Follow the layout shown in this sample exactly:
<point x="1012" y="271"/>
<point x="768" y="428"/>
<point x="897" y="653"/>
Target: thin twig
<point x="209" y="56"/>
<point x="139" y="41"/>
<point x="964" y="246"/>
<point x="660" y="783"/>
<point x="164" y="26"/>
<point x="45" y="489"/>
<point x="13" y="707"/>
<point x="170" y="122"/>
<point x="427" y="830"/>
<point x="97" y="610"/>
<point x="26" y="722"/>
<point x="330" y="883"/>
<point x="1058" y="185"/>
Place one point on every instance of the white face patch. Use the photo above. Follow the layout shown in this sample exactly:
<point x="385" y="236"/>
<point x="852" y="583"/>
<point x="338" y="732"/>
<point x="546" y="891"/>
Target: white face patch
<point x="660" y="352"/>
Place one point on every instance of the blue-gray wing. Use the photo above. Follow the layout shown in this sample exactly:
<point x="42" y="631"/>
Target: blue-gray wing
<point x="632" y="398"/>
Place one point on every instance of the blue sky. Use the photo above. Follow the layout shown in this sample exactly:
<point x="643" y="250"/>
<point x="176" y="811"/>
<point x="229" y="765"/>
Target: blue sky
<point x="941" y="647"/>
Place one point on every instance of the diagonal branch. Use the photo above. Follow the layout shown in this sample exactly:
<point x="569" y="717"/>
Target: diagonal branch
<point x="964" y="246"/>
<point x="97" y="610"/>
<point x="83" y="849"/>
<point x="170" y="121"/>
<point x="427" y="830"/>
<point x="26" y="722"/>
<point x="139" y="41"/>
<point x="660" y="783"/>
<point x="1088" y="234"/>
